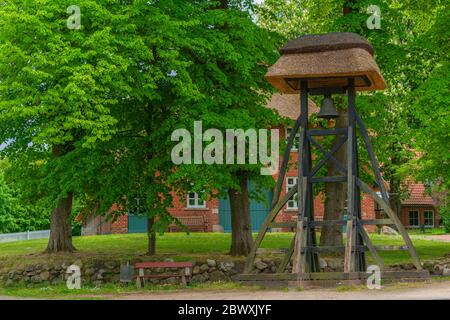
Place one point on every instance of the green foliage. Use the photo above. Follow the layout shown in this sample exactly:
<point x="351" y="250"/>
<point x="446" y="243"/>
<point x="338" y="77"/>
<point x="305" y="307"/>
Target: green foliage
<point x="15" y="216"/>
<point x="412" y="52"/>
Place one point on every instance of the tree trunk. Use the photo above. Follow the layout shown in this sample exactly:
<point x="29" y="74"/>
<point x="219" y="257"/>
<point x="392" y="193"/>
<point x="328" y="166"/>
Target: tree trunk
<point x="335" y="193"/>
<point x="61" y="227"/>
<point x="394" y="195"/>
<point x="241" y="230"/>
<point x="151" y="237"/>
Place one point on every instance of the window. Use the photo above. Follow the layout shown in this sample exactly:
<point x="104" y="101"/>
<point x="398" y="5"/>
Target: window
<point x="293" y="202"/>
<point x="194" y="200"/>
<point x="428" y="218"/>
<point x="414" y="218"/>
<point x="296" y="140"/>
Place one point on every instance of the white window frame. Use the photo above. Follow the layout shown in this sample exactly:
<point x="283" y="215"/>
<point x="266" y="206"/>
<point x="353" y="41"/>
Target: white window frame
<point x="296" y="139"/>
<point x="197" y="201"/>
<point x="292" y="203"/>
<point x="425" y="219"/>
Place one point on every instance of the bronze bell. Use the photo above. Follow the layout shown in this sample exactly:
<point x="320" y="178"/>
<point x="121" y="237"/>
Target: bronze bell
<point x="327" y="109"/>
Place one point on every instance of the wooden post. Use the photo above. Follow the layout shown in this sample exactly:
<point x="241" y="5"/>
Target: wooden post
<point x="140" y="278"/>
<point x="349" y="259"/>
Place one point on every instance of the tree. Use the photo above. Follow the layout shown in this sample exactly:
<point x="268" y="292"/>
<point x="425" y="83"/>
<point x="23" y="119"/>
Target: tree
<point x="229" y="65"/>
<point x="58" y="87"/>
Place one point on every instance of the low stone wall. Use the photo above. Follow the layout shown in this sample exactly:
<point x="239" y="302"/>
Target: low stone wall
<point x="101" y="272"/>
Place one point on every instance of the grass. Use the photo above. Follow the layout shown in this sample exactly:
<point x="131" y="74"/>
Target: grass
<point x="92" y="292"/>
<point x="433" y="231"/>
<point x="181" y="246"/>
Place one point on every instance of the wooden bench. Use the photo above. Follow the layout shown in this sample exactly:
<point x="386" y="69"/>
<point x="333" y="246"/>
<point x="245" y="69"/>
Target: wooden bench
<point x="193" y="223"/>
<point x="184" y="273"/>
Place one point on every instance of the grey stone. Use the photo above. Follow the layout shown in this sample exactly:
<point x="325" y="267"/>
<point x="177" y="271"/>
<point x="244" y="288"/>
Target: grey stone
<point x="35" y="279"/>
<point x="446" y="272"/>
<point x="45" y="275"/>
<point x="89" y="272"/>
<point x="388" y="231"/>
<point x="204" y="267"/>
<point x="110" y="265"/>
<point x="172" y="281"/>
<point x="438" y="270"/>
<point x="168" y="260"/>
<point x="9" y="283"/>
<point x="260" y="265"/>
<point x="211" y="263"/>
<point x="226" y="265"/>
<point x="11" y="274"/>
<point x="323" y="263"/>
<point x="196" y="270"/>
<point x="407" y="266"/>
<point x="217" y="275"/>
<point x="335" y="263"/>
<point x="199" y="278"/>
<point x="79" y="263"/>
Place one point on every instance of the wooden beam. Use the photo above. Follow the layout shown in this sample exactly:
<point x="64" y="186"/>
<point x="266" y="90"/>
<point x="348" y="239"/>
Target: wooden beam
<point x="349" y="259"/>
<point x="328" y="155"/>
<point x="331" y="158"/>
<point x="284" y="224"/>
<point x="263" y="229"/>
<point x="371" y="247"/>
<point x="322" y="223"/>
<point x="328" y="179"/>
<point x="287" y="257"/>
<point x="384" y="205"/>
<point x="373" y="159"/>
<point x="377" y="222"/>
<point x="298" y="263"/>
<point x="327" y="132"/>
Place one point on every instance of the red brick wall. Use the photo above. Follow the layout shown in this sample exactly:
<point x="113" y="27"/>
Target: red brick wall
<point x="404" y="214"/>
<point x="210" y="213"/>
<point x="120" y="226"/>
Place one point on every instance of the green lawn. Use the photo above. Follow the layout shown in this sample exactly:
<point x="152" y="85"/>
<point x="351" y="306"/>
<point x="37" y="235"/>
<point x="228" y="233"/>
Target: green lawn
<point x="181" y="246"/>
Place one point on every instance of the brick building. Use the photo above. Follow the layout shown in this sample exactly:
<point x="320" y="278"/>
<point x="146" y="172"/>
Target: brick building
<point x="419" y="209"/>
<point x="215" y="214"/>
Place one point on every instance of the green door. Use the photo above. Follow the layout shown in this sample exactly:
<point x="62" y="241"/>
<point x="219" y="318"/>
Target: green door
<point x="258" y="211"/>
<point x="137" y="224"/>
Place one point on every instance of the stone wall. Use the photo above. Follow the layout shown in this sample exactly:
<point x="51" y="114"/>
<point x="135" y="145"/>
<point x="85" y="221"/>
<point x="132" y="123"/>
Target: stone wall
<point x="101" y="272"/>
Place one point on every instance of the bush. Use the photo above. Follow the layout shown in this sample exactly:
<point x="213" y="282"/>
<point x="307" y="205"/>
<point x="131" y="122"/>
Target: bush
<point x="444" y="212"/>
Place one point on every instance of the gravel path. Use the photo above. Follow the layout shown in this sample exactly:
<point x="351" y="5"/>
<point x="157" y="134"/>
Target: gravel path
<point x="440" y="237"/>
<point x="430" y="291"/>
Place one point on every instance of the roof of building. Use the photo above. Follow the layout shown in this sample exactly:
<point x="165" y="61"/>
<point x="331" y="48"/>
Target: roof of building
<point x="288" y="105"/>
<point x="418" y="195"/>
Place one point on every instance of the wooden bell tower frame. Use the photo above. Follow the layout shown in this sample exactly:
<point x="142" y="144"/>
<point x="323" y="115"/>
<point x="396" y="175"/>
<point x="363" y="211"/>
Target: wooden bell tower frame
<point x="304" y="250"/>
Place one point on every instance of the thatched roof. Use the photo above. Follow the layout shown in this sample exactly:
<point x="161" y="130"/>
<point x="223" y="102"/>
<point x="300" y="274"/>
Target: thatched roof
<point x="335" y="58"/>
<point x="327" y="42"/>
<point x="288" y="105"/>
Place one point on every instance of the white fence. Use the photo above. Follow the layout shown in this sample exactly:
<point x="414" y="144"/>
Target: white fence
<point x="28" y="235"/>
